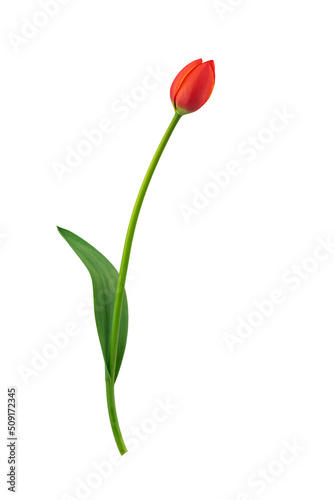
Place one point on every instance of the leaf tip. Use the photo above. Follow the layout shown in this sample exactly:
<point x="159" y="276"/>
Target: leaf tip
<point x="61" y="230"/>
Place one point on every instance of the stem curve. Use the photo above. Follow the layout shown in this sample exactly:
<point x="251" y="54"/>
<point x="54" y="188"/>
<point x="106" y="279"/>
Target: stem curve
<point x="121" y="282"/>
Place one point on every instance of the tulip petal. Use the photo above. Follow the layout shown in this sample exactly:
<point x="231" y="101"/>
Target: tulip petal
<point x="196" y="88"/>
<point x="181" y="76"/>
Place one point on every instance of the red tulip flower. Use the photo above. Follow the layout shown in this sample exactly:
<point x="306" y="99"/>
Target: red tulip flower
<point x="193" y="86"/>
<point x="191" y="89"/>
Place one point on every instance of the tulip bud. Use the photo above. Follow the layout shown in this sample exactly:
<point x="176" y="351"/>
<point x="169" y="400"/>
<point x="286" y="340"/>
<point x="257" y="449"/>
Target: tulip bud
<point x="193" y="86"/>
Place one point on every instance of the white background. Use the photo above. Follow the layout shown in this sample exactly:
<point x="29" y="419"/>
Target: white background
<point x="189" y="283"/>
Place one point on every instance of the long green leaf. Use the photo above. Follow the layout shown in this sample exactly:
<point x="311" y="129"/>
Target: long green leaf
<point x="104" y="277"/>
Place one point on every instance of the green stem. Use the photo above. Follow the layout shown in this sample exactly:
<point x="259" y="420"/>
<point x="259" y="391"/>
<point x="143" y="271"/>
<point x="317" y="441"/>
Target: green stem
<point x="113" y="416"/>
<point x="125" y="263"/>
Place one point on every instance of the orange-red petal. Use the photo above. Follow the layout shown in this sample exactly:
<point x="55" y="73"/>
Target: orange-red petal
<point x="195" y="88"/>
<point x="181" y="76"/>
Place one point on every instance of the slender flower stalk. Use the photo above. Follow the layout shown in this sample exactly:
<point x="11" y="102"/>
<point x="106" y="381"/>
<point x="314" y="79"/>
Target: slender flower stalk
<point x="110" y="387"/>
<point x="122" y="278"/>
